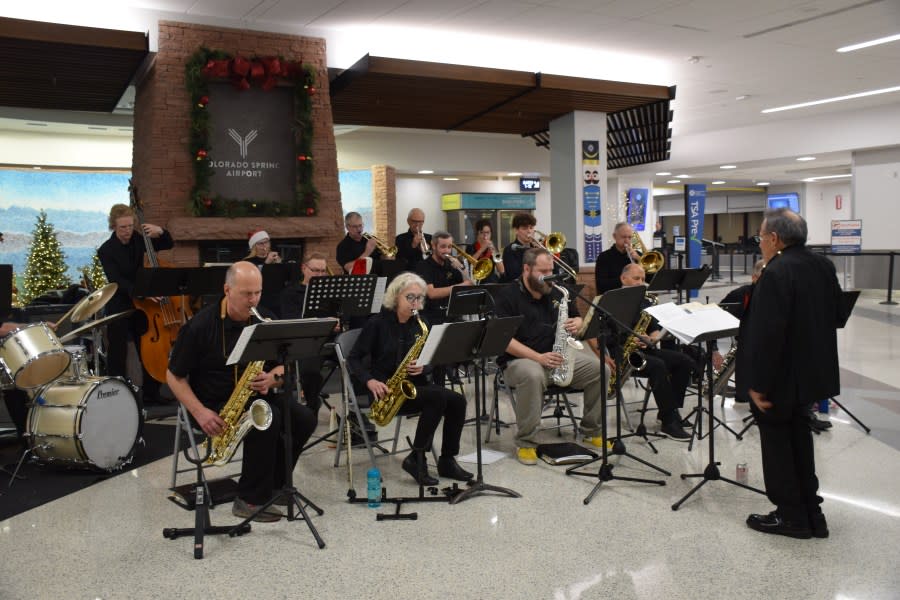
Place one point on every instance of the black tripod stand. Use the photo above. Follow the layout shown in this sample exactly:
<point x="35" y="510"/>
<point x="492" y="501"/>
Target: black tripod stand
<point x="711" y="472"/>
<point x="288" y="340"/>
<point x="616" y="307"/>
<point x="202" y="503"/>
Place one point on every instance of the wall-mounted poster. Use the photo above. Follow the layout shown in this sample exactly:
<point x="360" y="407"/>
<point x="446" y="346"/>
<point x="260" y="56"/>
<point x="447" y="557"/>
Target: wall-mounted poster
<point x="637" y="208"/>
<point x="591" y="198"/>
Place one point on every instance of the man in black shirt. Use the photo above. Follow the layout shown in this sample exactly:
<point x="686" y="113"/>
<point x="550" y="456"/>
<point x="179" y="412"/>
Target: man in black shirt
<point x="523" y="225"/>
<point x="201" y="381"/>
<point x="610" y="262"/>
<point x="441" y="272"/>
<point x="354" y="246"/>
<point x="413" y="245"/>
<point x="530" y="358"/>
<point x="292" y="308"/>
<point x="121" y="256"/>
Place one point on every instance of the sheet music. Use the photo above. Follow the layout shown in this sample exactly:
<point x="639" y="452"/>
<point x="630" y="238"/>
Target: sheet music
<point x="378" y="298"/>
<point x="689" y="321"/>
<point x="238" y="351"/>
<point x="431" y="344"/>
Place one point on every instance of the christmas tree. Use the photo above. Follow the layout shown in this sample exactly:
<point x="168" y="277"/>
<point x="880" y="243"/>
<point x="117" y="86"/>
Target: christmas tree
<point x="95" y="275"/>
<point x="45" y="268"/>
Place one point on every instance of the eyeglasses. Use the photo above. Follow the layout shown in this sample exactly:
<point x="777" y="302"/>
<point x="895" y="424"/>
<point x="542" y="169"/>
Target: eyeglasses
<point x="412" y="298"/>
<point x="317" y="270"/>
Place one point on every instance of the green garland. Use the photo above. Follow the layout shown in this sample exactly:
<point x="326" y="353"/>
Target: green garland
<point x="206" y="64"/>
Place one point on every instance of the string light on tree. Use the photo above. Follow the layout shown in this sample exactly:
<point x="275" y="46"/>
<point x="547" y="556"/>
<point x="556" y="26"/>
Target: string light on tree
<point x="45" y="268"/>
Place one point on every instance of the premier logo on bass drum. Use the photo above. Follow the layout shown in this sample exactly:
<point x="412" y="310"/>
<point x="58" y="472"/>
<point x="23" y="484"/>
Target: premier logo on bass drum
<point x="109" y="394"/>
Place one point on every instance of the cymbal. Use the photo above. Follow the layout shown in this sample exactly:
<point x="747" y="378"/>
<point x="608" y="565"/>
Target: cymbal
<point x="93" y="302"/>
<point x="76" y="333"/>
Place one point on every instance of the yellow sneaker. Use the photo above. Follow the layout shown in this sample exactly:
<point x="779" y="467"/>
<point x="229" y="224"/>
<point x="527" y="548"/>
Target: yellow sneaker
<point x="597" y="442"/>
<point x="527" y="456"/>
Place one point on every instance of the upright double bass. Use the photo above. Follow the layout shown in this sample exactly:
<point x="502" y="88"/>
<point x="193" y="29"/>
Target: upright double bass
<point x="165" y="316"/>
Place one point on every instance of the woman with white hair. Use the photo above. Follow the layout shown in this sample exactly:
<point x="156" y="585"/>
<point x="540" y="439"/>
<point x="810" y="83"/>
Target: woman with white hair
<point x="383" y="344"/>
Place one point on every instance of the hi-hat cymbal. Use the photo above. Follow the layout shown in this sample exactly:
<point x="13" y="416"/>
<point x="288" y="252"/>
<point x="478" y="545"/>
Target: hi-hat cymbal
<point x="87" y="327"/>
<point x="93" y="302"/>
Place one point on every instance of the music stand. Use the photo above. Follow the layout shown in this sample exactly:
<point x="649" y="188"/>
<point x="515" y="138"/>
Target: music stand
<point x="495" y="335"/>
<point x="679" y="280"/>
<point x="616" y="307"/>
<point x="285" y="341"/>
<point x="711" y="472"/>
<point x="342" y="295"/>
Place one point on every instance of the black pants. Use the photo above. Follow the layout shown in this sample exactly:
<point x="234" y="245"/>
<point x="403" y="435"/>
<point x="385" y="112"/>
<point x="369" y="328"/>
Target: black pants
<point x="789" y="468"/>
<point x="434" y="403"/>
<point x="16" y="401"/>
<point x="311" y="380"/>
<point x="263" y="469"/>
<point x="118" y="334"/>
<point x="669" y="374"/>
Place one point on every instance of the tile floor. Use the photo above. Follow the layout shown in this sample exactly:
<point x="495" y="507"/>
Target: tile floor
<point x="106" y="541"/>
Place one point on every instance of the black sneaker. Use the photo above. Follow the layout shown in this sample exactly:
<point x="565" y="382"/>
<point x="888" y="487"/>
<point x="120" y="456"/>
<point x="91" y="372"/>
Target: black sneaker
<point x="674" y="431"/>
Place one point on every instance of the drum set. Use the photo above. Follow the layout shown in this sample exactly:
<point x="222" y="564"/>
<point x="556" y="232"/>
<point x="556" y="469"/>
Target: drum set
<point x="75" y="419"/>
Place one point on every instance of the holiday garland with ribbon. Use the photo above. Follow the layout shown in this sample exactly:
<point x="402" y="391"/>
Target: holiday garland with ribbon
<point x="265" y="72"/>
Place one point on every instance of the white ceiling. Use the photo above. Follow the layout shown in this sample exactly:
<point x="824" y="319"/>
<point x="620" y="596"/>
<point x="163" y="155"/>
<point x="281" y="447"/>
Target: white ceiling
<point x="772" y="52"/>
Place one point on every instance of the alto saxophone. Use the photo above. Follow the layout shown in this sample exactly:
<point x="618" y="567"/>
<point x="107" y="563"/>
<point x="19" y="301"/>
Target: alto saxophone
<point x="723" y="374"/>
<point x="564" y="344"/>
<point x="238" y="421"/>
<point x="632" y="357"/>
<point x="400" y="388"/>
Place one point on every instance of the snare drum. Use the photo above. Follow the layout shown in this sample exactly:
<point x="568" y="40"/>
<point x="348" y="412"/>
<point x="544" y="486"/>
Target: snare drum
<point x="78" y="367"/>
<point x="89" y="423"/>
<point x="31" y="356"/>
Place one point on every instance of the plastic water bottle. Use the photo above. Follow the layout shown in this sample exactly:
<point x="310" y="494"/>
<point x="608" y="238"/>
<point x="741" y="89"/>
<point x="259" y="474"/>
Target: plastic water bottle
<point x="373" y="487"/>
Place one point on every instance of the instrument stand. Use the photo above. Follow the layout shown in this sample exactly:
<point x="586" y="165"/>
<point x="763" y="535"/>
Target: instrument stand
<point x="202" y="503"/>
<point x="343" y="296"/>
<point x="848" y="301"/>
<point x="851" y="415"/>
<point x="696" y="413"/>
<point x="615" y="308"/>
<point x="288" y="340"/>
<point x="641" y="430"/>
<point x="711" y="472"/>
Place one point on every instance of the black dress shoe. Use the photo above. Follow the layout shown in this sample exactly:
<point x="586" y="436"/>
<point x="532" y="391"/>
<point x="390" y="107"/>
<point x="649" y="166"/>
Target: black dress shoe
<point x="773" y="523"/>
<point x="448" y="467"/>
<point x="819" y="526"/>
<point x="411" y="466"/>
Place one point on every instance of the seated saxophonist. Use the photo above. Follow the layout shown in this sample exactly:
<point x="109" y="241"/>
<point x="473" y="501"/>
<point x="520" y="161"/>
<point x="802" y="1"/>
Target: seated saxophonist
<point x="668" y="371"/>
<point x="530" y="357"/>
<point x="382" y="355"/>
<point x="201" y="381"/>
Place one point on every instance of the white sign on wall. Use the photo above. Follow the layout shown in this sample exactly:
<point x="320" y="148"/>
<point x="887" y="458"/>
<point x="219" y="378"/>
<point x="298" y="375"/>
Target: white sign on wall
<point x="846" y="236"/>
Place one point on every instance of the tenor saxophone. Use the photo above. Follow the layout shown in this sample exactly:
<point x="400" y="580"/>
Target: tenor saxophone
<point x="400" y="388"/>
<point x="238" y="421"/>
<point x="632" y="357"/>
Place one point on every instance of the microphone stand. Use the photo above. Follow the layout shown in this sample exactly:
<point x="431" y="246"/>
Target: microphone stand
<point x="605" y="472"/>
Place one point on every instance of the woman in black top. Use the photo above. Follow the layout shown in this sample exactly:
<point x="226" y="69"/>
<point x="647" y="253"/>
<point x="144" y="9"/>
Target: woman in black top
<point x="383" y="344"/>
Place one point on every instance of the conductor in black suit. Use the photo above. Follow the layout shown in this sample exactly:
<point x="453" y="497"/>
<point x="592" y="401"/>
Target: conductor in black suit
<point x="789" y="334"/>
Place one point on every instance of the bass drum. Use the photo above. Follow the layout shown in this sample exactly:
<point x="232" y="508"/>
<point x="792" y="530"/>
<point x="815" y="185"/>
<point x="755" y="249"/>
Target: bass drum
<point x="89" y="423"/>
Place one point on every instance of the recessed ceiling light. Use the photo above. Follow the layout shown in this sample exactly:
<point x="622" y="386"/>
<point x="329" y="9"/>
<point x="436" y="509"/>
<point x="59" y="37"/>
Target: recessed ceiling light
<point x="36" y="168"/>
<point x="719" y="182"/>
<point x="35" y="124"/>
<point x="741" y="97"/>
<point x="834" y="99"/>
<point x="682" y="176"/>
<point x="763" y="183"/>
<point x="806" y="158"/>
<point x="663" y="173"/>
<point x="861" y="45"/>
<point x="451" y="178"/>
<point x="426" y="172"/>
<point x="828" y="177"/>
<point x="728" y="167"/>
<point x="674" y="181"/>
<point x="513" y="174"/>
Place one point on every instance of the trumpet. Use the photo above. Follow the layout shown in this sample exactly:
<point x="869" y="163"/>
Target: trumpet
<point x="481" y="267"/>
<point x="388" y="251"/>
<point x="454" y="262"/>
<point x="423" y="246"/>
<point x="554" y="243"/>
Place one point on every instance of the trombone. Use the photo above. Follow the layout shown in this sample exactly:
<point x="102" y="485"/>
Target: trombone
<point x="481" y="267"/>
<point x="554" y="243"/>
<point x="388" y="251"/>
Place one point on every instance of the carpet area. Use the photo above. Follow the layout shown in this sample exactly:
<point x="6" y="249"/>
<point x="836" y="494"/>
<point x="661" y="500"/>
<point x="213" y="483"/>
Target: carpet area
<point x="44" y="483"/>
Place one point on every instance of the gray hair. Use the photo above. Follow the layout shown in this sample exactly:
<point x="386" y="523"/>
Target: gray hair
<point x="787" y="225"/>
<point x="620" y="225"/>
<point x="351" y="215"/>
<point x="440" y="235"/>
<point x="400" y="283"/>
<point x="531" y="255"/>
<point x="758" y="266"/>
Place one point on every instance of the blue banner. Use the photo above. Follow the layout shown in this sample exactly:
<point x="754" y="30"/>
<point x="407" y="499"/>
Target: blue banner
<point x="637" y="208"/>
<point x="694" y="207"/>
